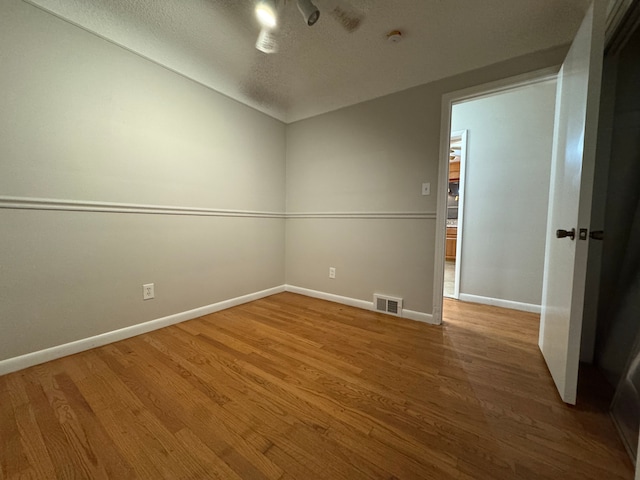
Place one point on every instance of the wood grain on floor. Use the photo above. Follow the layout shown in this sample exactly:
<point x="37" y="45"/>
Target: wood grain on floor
<point x="290" y="387"/>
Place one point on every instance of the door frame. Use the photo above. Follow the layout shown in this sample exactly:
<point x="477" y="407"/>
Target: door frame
<point x="448" y="100"/>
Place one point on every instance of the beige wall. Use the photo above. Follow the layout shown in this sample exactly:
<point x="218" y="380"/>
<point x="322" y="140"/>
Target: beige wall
<point x="506" y="190"/>
<point x="372" y="158"/>
<point x="86" y="121"/>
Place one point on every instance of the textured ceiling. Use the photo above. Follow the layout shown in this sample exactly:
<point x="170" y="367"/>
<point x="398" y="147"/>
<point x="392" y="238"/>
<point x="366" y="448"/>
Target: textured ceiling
<point x="322" y="68"/>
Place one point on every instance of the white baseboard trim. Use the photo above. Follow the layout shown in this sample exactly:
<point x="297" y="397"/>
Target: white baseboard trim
<point x="498" y="302"/>
<point x="354" y="302"/>
<point x="419" y="316"/>
<point x="30" y="359"/>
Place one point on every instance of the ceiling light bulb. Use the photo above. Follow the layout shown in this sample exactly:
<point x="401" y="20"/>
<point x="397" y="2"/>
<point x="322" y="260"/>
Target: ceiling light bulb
<point x="266" y="13"/>
<point x="309" y="11"/>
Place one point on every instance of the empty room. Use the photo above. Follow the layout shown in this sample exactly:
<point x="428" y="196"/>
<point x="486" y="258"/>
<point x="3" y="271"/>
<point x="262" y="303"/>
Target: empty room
<point x="223" y="229"/>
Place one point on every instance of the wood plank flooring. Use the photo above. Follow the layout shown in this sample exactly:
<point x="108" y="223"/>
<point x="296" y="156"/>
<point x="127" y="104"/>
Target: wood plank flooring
<point x="290" y="387"/>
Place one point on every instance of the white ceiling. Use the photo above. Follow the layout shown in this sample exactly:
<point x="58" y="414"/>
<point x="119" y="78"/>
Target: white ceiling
<point x="323" y="68"/>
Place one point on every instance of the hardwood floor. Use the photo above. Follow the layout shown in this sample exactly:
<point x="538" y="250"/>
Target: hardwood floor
<point x="290" y="387"/>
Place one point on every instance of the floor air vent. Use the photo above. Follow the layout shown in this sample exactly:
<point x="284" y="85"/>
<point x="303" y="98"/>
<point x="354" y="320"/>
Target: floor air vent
<point x="390" y="305"/>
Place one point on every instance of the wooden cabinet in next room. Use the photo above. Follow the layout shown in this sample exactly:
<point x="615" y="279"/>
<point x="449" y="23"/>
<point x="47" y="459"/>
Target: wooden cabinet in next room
<point x="454" y="171"/>
<point x="450" y="247"/>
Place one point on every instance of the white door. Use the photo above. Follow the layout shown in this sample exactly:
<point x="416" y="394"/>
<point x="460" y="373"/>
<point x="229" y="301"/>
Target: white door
<point x="577" y="104"/>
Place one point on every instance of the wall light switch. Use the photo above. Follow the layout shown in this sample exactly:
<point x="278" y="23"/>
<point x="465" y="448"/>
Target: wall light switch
<point x="426" y="189"/>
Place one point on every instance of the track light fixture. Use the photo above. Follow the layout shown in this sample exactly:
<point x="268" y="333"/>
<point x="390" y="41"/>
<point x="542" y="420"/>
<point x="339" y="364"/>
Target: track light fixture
<point x="267" y="42"/>
<point x="309" y="11"/>
<point x="266" y="13"/>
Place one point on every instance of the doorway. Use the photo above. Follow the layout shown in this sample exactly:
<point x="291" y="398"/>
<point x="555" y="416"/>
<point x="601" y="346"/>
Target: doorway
<point x="499" y="230"/>
<point x="615" y="340"/>
<point x="455" y="213"/>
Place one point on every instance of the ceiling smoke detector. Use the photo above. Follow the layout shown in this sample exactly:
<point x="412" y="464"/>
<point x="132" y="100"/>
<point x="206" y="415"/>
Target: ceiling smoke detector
<point x="394" y="36"/>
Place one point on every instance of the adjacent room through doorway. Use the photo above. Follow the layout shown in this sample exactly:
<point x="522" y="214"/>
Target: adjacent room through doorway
<point x="457" y="156"/>
<point x="497" y="196"/>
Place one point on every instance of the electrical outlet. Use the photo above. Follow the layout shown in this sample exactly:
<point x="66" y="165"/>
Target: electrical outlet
<point x="332" y="272"/>
<point x="148" y="291"/>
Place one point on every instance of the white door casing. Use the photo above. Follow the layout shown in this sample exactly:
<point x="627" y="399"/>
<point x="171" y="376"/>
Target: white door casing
<point x="574" y="147"/>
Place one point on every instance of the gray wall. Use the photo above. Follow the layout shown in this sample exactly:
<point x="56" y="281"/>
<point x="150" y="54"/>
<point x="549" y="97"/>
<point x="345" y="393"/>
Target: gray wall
<point x="372" y="158"/>
<point x="84" y="120"/>
<point x="506" y="191"/>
